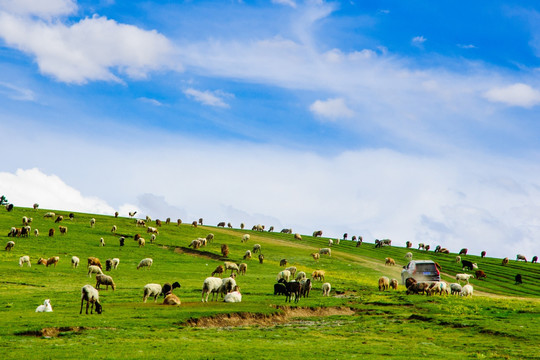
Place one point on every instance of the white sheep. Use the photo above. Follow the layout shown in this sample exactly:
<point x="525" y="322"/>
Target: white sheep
<point x="245" y="238"/>
<point x="458" y="259"/>
<point x="49" y="215"/>
<point x="455" y="288"/>
<point x="75" y="261"/>
<point x="285" y="274"/>
<point x="467" y="290"/>
<point x="115" y="262"/>
<point x="147" y="262"/>
<point x="36" y="232"/>
<point x="330" y="242"/>
<point x="152" y="230"/>
<point x="25" y="260"/>
<point x="92" y="222"/>
<point x="231" y="266"/>
<point x="325" y="251"/>
<point x="114" y="228"/>
<point x="256" y="248"/>
<point x="292" y="269"/>
<point x="233" y="296"/>
<point x="93" y="269"/>
<point x="91" y="296"/>
<point x="10" y="245"/>
<point x="209" y="238"/>
<point x="300" y="276"/>
<point x="227" y="285"/>
<point x="247" y="255"/>
<point x="101" y="242"/>
<point x="141" y="242"/>
<point x="464" y="277"/>
<point x="103" y="279"/>
<point x="326" y="287"/>
<point x="152" y="238"/>
<point x="408" y="256"/>
<point x="46" y="307"/>
<point x="151" y="290"/>
<point x="211" y="285"/>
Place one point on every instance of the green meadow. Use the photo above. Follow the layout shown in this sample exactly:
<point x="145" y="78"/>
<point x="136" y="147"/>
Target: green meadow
<point x="357" y="320"/>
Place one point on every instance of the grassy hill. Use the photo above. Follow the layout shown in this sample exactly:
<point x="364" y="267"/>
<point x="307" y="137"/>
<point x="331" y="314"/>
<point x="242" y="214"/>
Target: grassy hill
<point x="356" y="321"/>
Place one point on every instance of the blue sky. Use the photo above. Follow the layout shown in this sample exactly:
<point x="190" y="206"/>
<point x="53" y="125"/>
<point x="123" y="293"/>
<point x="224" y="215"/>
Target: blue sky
<point x="406" y="120"/>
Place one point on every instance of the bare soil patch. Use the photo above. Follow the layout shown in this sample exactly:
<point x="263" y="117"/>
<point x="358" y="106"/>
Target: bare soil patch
<point x="199" y="253"/>
<point x="286" y="314"/>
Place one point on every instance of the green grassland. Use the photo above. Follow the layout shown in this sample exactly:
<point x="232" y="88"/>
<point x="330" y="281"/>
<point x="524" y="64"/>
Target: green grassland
<point x="357" y="321"/>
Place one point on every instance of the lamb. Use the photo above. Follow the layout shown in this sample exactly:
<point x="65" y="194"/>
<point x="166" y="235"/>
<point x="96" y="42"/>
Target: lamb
<point x="150" y="290"/>
<point x="102" y="279"/>
<point x="63" y="230"/>
<point x="231" y="266"/>
<point x="297" y="236"/>
<point x="94" y="261"/>
<point x="394" y="284"/>
<point x="518" y="279"/>
<point x="9" y="245"/>
<point x="521" y="257"/>
<point x="75" y="261"/>
<point x="147" y="263"/>
<point x="408" y="256"/>
<point x="455" y="288"/>
<point x="467" y="290"/>
<point x="469" y="265"/>
<point x="464" y="277"/>
<point x="458" y="259"/>
<point x="46" y="307"/>
<point x="256" y="248"/>
<point x="480" y="274"/>
<point x="389" y="261"/>
<point x="245" y="238"/>
<point x="219" y="270"/>
<point x="224" y="250"/>
<point x="505" y="261"/>
<point x="318" y="275"/>
<point x="247" y="255"/>
<point x="285" y="275"/>
<point x="384" y="283"/>
<point x="234" y="296"/>
<point x="300" y="276"/>
<point x="93" y="269"/>
<point x="261" y="258"/>
<point x="25" y="260"/>
<point x="171" y="299"/>
<point x="463" y="251"/>
<point x="141" y="242"/>
<point x="101" y="242"/>
<point x="317" y="233"/>
<point x="283" y="262"/>
<point x="325" y="251"/>
<point x="167" y="288"/>
<point x="91" y="296"/>
<point x="36" y="232"/>
<point x="242" y="268"/>
<point x="211" y="285"/>
<point x="326" y="287"/>
<point x="92" y="222"/>
<point x="316" y="256"/>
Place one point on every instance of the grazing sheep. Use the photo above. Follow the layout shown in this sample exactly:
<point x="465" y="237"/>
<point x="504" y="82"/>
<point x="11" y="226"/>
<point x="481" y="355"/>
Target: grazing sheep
<point x="297" y="236"/>
<point x="418" y="288"/>
<point x="179" y="222"/>
<point x="101" y="242"/>
<point x="292" y="269"/>
<point x="26" y="230"/>
<point x="280" y="289"/>
<point x="92" y="222"/>
<point x="114" y="228"/>
<point x="148" y="219"/>
<point x="141" y="242"/>
<point x="63" y="230"/>
<point x="116" y="213"/>
<point x="49" y="215"/>
<point x="140" y="222"/>
<point x="75" y="261"/>
<point x="247" y="255"/>
<point x="463" y="277"/>
<point x="256" y="248"/>
<point x="271" y="229"/>
<point x="408" y="244"/>
<point x="305" y="287"/>
<point x="521" y="257"/>
<point x="438" y="287"/>
<point x="463" y="251"/>
<point x="467" y="290"/>
<point x="285" y="275"/>
<point x="35" y="206"/>
<point x="384" y="283"/>
<point x="94" y="261"/>
<point x="283" y="262"/>
<point x="152" y="238"/>
<point x="455" y="288"/>
<point x="91" y="296"/>
<point x="479" y="274"/>
<point x="71" y="216"/>
<point x="316" y="256"/>
<point x="51" y="232"/>
<point x="36" y="232"/>
<point x="158" y="222"/>
<point x="231" y="266"/>
<point x="229" y="225"/>
<point x="108" y="265"/>
<point x="50" y="261"/>
<point x="330" y="242"/>
<point x="518" y="279"/>
<point x="469" y="265"/>
<point x="421" y="246"/>
<point x="171" y="299"/>
<point x="293" y="288"/>
<point x="209" y="238"/>
<point x="326" y="287"/>
<point x="147" y="263"/>
<point x="167" y="288"/>
<point x="458" y="259"/>
<point x="317" y="233"/>
<point x="122" y="240"/>
<point x="234" y="296"/>
<point x="359" y="242"/>
<point x="26" y="221"/>
<point x="242" y="268"/>
<point x="136" y="237"/>
<point x="168" y="221"/>
<point x="221" y="224"/>
<point x="409" y="281"/>
<point x="152" y="230"/>
<point x="195" y="244"/>
<point x="534" y="259"/>
<point x="444" y="251"/>
<point x="286" y="231"/>
<point x="261" y="258"/>
<point x="224" y="250"/>
<point x="59" y="218"/>
<point x="408" y="256"/>
<point x="46" y="307"/>
<point x="300" y="276"/>
<point x="93" y="269"/>
<point x="219" y="270"/>
<point x="325" y="251"/>
<point x="505" y="261"/>
<point x="150" y="290"/>
<point x="245" y="238"/>
<point x="9" y="245"/>
<point x="318" y="275"/>
<point x="394" y="284"/>
<point x="383" y="242"/>
<point x="25" y="260"/>
<point x="211" y="285"/>
<point x="102" y="279"/>
<point x="389" y="261"/>
<point x="483" y="254"/>
<point x="132" y="214"/>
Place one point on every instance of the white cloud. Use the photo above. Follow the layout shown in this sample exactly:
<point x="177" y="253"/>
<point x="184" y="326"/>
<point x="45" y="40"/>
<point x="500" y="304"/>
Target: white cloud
<point x="466" y="46"/>
<point x="290" y="3"/>
<point x="44" y="9"/>
<point x="150" y="101"/>
<point x="332" y="109"/>
<point x="16" y="93"/>
<point x="514" y="95"/>
<point x="418" y="40"/>
<point x="209" y="98"/>
<point x="92" y="49"/>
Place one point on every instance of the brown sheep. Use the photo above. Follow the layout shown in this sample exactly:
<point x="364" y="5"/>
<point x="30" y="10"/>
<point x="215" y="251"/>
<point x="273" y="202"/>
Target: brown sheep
<point x="200" y="221"/>
<point x="219" y="271"/>
<point x="297" y="236"/>
<point x="224" y="250"/>
<point x="158" y="222"/>
<point x="171" y="299"/>
<point x="242" y="268"/>
<point x="137" y="237"/>
<point x="168" y="221"/>
<point x="51" y="232"/>
<point x="463" y="251"/>
<point x="63" y="230"/>
<point x="384" y="283"/>
<point x="179" y="222"/>
<point x="317" y="233"/>
<point x="9" y="245"/>
<point x="94" y="261"/>
<point x="480" y="274"/>
<point x="318" y="275"/>
<point x="194" y="224"/>
<point x="410" y="281"/>
<point x="418" y="288"/>
<point x="261" y="258"/>
<point x="283" y="262"/>
<point x="50" y="261"/>
<point x="316" y="256"/>
<point x="394" y="284"/>
<point x="389" y="261"/>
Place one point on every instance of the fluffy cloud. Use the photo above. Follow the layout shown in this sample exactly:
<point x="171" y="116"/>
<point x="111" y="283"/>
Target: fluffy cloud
<point x="208" y="97"/>
<point x="290" y="3"/>
<point x="44" y="9"/>
<point x="514" y="95"/>
<point x="331" y="109"/>
<point x="94" y="48"/>
<point x="418" y="40"/>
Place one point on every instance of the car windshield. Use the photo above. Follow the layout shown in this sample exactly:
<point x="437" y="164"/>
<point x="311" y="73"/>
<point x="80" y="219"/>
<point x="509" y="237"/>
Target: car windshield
<point x="425" y="267"/>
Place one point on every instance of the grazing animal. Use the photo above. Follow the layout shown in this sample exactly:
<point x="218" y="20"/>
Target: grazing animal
<point x="221" y="224"/>
<point x="147" y="263"/>
<point x="50" y="261"/>
<point x="463" y="251"/>
<point x="283" y="262"/>
<point x="36" y="232"/>
<point x="458" y="259"/>
<point x="63" y="229"/>
<point x="326" y="287"/>
<point x="92" y="222"/>
<point x="394" y="284"/>
<point x="534" y="259"/>
<point x="518" y="279"/>
<point x="505" y="261"/>
<point x="297" y="236"/>
<point x="200" y="221"/>
<point x="93" y="269"/>
<point x="480" y="274"/>
<point x="463" y="277"/>
<point x="439" y="287"/>
<point x="94" y="261"/>
<point x="179" y="222"/>
<point x="305" y="287"/>
<point x="317" y="233"/>
<point x="242" y="226"/>
<point x="59" y="218"/>
<point x="49" y="215"/>
<point x="359" y="242"/>
<point x="158" y="222"/>
<point x="384" y="283"/>
<point x="140" y="222"/>
<point x="46" y="307"/>
<point x="383" y="242"/>
<point x="106" y="280"/>
<point x="219" y="271"/>
<point x="261" y="258"/>
<point x="469" y="265"/>
<point x="209" y="238"/>
<point x="231" y="266"/>
<point x="418" y="288"/>
<point x="421" y="246"/>
<point x="316" y="256"/>
<point x="247" y="255"/>
<point x="408" y="244"/>
<point x="483" y="254"/>
<point x="280" y="289"/>
<point x="389" y="261"/>
<point x="409" y="282"/>
<point x="245" y="238"/>
<point x="242" y="269"/>
<point x="271" y="229"/>
<point x="467" y="290"/>
<point x="318" y="275"/>
<point x="293" y="288"/>
<point x="35" y="206"/>
<point x="325" y="251"/>
<point x="224" y="250"/>
<point x="426" y="248"/>
<point x="152" y="230"/>
<point x="141" y="242"/>
<point x="101" y="242"/>
<point x="91" y="296"/>
<point x="285" y="275"/>
<point x="150" y="290"/>
<point x="301" y="275"/>
<point x="25" y="260"/>
<point x="256" y="248"/>
<point x="51" y="232"/>
<point x="292" y="269"/>
<point x="171" y="299"/>
<point x="116" y="214"/>
<point x="9" y="245"/>
<point x="152" y="238"/>
<point x="330" y="242"/>
<point x="211" y="285"/>
<point x="195" y="244"/>
<point x="75" y="261"/>
<point x="229" y="225"/>
<point x="521" y="257"/>
<point x="168" y="221"/>
<point x="114" y="228"/>
<point x="455" y="289"/>
<point x="286" y="231"/>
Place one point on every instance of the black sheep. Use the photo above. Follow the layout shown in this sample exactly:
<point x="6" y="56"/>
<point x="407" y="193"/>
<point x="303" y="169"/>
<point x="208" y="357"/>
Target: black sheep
<point x="122" y="239"/>
<point x="468" y="265"/>
<point x="280" y="289"/>
<point x="293" y="288"/>
<point x="518" y="279"/>
<point x="166" y="288"/>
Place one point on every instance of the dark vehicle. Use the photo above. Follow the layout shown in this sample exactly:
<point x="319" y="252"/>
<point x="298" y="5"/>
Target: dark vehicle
<point x="420" y="270"/>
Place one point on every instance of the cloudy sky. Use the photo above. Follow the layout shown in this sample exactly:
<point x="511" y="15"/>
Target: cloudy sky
<point x="388" y="119"/>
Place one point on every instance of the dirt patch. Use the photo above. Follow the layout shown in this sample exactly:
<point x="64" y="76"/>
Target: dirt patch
<point x="286" y="314"/>
<point x="52" y="331"/>
<point x="199" y="253"/>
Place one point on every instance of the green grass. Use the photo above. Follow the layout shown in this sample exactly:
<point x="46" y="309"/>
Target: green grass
<point x="505" y="324"/>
